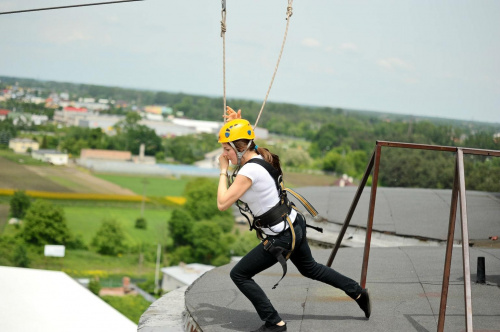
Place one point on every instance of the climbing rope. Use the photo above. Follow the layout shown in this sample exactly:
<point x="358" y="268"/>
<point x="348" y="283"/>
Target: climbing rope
<point x="289" y="14"/>
<point x="223" y="35"/>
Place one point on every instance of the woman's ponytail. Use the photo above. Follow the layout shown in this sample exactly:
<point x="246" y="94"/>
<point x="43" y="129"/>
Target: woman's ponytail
<point x="268" y="156"/>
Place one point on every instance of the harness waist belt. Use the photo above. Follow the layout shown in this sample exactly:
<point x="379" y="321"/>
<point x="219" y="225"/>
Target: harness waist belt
<point x="273" y="216"/>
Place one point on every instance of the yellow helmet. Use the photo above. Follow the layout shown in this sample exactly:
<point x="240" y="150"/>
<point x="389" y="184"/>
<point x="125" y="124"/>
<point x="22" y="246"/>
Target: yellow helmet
<point x="235" y="130"/>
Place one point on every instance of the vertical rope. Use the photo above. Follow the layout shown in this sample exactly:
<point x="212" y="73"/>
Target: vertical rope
<point x="289" y="13"/>
<point x="223" y="35"/>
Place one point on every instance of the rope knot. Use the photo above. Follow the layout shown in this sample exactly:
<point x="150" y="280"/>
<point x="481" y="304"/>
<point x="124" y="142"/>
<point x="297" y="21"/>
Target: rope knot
<point x="289" y="12"/>
<point x="222" y="28"/>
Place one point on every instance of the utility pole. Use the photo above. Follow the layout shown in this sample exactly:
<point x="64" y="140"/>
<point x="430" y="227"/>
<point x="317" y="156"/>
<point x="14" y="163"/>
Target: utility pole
<point x="157" y="272"/>
<point x="144" y="183"/>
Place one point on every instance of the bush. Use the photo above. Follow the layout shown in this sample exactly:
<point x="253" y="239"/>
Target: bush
<point x="6" y="245"/>
<point x="19" y="204"/>
<point x="76" y="242"/>
<point x="20" y="256"/>
<point x="181" y="254"/>
<point x="95" y="286"/>
<point x="140" y="223"/>
<point x="109" y="239"/>
<point x="44" y="223"/>
<point x="149" y="286"/>
<point x="180" y="226"/>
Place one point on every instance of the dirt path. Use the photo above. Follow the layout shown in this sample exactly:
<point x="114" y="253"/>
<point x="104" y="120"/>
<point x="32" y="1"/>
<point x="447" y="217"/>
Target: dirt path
<point x="79" y="180"/>
<point x="15" y="176"/>
<point x="54" y="179"/>
<point x="4" y="216"/>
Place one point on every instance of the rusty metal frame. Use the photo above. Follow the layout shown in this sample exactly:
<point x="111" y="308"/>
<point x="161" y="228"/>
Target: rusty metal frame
<point x="458" y="192"/>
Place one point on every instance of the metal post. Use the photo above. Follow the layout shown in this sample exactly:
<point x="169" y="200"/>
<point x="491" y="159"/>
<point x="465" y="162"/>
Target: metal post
<point x="351" y="210"/>
<point x="157" y="271"/>
<point x="371" y="212"/>
<point x="144" y="183"/>
<point x="465" y="242"/>
<point x="481" y="270"/>
<point x="449" y="250"/>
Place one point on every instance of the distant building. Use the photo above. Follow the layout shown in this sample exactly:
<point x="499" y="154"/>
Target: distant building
<point x="213" y="127"/>
<point x="27" y="118"/>
<point x="88" y="155"/>
<point x="3" y="114"/>
<point x="211" y="159"/>
<point x="105" y="154"/>
<point x="70" y="116"/>
<point x="105" y="122"/>
<point x="21" y="145"/>
<point x="182" y="275"/>
<point x="154" y="117"/>
<point x="53" y="157"/>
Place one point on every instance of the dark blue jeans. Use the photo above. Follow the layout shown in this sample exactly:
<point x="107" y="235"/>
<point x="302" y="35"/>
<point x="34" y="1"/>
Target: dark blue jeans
<point x="258" y="260"/>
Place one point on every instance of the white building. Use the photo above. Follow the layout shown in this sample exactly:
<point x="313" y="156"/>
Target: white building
<point x="53" y="157"/>
<point x="70" y="116"/>
<point x="175" y="127"/>
<point x="51" y="301"/>
<point x="182" y="275"/>
<point x="21" y="145"/>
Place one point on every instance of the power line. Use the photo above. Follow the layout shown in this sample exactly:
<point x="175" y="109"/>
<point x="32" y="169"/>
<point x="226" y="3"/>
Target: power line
<point x="64" y="7"/>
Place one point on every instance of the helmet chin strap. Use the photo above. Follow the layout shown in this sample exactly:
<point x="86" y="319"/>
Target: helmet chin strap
<point x="240" y="154"/>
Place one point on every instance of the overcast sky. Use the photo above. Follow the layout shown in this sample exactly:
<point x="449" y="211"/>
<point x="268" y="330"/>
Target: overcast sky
<point x="434" y="58"/>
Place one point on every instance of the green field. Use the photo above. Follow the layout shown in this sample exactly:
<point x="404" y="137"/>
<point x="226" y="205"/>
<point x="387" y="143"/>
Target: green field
<point x="152" y="185"/>
<point x="86" y="221"/>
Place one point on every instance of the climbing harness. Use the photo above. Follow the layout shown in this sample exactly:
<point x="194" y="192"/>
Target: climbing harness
<point x="277" y="214"/>
<point x="289" y="13"/>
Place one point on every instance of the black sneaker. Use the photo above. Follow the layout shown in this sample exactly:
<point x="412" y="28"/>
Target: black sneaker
<point x="365" y="303"/>
<point x="271" y="328"/>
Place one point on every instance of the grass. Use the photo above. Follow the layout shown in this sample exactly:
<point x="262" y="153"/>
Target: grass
<point x="23" y="159"/>
<point x="4" y="215"/>
<point x="297" y="180"/>
<point x="85" y="221"/>
<point x="131" y="306"/>
<point x="86" y="263"/>
<point x="155" y="185"/>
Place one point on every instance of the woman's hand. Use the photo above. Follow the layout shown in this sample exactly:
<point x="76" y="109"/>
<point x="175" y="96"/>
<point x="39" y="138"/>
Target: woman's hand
<point x="223" y="163"/>
<point x="231" y="114"/>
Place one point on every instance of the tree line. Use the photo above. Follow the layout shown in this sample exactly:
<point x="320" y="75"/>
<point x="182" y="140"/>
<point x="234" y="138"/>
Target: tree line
<point x="338" y="140"/>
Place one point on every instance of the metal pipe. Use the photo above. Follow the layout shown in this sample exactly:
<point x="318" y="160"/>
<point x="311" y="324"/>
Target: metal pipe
<point x="417" y="146"/>
<point x="465" y="243"/>
<point x="449" y="250"/>
<point x="354" y="204"/>
<point x="493" y="153"/>
<point x="371" y="212"/>
<point x="484" y="152"/>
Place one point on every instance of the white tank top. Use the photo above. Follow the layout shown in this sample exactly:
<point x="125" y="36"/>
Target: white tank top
<point x="262" y="194"/>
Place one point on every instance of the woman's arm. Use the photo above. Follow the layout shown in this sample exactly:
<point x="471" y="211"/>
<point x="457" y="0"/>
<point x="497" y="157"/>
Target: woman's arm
<point x="228" y="196"/>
